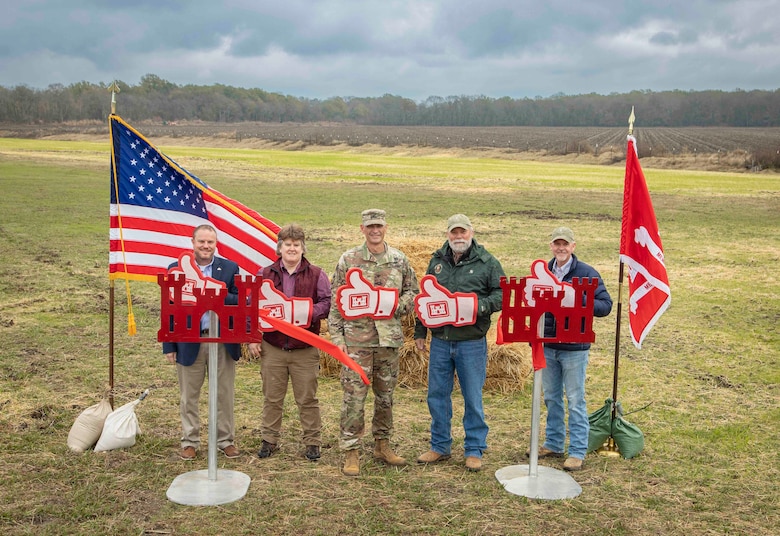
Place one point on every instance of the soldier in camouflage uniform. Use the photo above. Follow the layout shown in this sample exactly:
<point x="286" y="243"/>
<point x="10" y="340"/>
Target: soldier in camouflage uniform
<point x="373" y="343"/>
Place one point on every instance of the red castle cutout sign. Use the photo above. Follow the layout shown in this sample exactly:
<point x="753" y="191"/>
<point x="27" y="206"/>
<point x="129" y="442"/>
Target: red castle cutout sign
<point x="526" y="300"/>
<point x="180" y="315"/>
<point x="185" y="296"/>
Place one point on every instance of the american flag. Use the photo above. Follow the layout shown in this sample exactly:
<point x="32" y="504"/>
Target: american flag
<point x="156" y="204"/>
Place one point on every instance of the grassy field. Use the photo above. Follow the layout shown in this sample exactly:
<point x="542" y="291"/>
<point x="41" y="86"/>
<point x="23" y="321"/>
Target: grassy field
<point x="708" y="374"/>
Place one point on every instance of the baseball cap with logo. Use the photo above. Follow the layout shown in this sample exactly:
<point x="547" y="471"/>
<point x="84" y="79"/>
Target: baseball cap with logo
<point x="458" y="220"/>
<point x="562" y="233"/>
<point x="374" y="216"/>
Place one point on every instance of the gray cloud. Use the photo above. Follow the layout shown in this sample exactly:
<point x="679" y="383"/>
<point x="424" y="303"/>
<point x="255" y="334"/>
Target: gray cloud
<point x="412" y="48"/>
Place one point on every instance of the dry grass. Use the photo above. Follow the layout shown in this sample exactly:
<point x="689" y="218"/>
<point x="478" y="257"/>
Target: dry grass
<point x="708" y="375"/>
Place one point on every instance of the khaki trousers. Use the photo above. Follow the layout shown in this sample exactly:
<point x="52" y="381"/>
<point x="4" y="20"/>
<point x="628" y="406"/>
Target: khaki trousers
<point x="190" y="382"/>
<point x="300" y="367"/>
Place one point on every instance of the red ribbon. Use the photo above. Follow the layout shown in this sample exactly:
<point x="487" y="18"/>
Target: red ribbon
<point x="315" y="340"/>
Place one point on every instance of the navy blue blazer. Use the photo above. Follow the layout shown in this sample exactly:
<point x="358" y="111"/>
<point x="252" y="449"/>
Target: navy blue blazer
<point x="186" y="352"/>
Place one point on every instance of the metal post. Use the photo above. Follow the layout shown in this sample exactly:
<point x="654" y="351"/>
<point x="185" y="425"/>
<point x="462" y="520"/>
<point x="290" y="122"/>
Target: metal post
<point x="210" y="488"/>
<point x="213" y="394"/>
<point x="533" y="481"/>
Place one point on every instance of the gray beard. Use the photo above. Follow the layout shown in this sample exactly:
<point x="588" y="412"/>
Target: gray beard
<point x="460" y="246"/>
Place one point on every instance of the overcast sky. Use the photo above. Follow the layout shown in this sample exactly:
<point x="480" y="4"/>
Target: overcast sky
<point x="410" y="48"/>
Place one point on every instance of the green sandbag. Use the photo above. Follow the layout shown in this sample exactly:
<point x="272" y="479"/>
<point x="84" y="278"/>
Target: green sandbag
<point x="628" y="437"/>
<point x="600" y="426"/>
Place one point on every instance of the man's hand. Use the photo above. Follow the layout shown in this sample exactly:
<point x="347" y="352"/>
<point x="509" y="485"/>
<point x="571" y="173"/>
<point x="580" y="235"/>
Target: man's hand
<point x="543" y="281"/>
<point x="296" y="311"/>
<point x="194" y="279"/>
<point x="436" y="306"/>
<point x="359" y="298"/>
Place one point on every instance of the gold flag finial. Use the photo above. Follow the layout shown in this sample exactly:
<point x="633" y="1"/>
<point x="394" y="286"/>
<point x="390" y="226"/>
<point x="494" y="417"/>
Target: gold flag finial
<point x="114" y="89"/>
<point x="631" y="122"/>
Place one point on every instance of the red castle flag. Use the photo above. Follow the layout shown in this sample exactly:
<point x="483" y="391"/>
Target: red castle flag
<point x="642" y="252"/>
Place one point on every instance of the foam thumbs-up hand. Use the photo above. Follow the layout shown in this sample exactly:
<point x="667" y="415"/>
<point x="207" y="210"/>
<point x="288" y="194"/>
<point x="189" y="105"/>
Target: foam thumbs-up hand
<point x="295" y="311"/>
<point x="194" y="279"/>
<point x="359" y="298"/>
<point x="543" y="281"/>
<point x="436" y="306"/>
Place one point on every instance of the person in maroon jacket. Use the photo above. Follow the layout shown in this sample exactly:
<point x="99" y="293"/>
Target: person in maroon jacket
<point x="285" y="359"/>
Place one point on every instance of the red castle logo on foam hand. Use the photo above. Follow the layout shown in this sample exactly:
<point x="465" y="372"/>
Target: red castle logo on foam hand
<point x="359" y="298"/>
<point x="526" y="300"/>
<point x="296" y="311"/>
<point x="180" y="315"/>
<point x="436" y="306"/>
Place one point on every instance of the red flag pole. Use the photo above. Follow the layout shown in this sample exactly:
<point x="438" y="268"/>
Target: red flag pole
<point x="610" y="448"/>
<point x="619" y="303"/>
<point x="617" y="339"/>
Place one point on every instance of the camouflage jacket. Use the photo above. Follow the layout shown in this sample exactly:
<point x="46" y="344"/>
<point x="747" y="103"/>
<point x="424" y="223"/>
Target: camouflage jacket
<point x="390" y="269"/>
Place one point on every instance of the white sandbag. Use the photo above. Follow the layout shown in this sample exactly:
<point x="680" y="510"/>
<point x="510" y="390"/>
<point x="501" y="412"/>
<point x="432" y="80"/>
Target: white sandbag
<point x="120" y="428"/>
<point x="87" y="428"/>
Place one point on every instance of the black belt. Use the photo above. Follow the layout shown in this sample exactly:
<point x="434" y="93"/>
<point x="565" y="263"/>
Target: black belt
<point x="204" y="332"/>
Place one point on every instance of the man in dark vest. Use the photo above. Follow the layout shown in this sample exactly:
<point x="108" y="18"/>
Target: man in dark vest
<point x="301" y="295"/>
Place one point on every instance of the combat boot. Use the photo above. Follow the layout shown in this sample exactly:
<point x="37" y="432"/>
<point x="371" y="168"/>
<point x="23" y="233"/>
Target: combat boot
<point x="352" y="463"/>
<point x="383" y="452"/>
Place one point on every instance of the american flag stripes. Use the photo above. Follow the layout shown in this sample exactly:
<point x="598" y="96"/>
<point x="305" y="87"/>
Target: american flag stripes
<point x="156" y="204"/>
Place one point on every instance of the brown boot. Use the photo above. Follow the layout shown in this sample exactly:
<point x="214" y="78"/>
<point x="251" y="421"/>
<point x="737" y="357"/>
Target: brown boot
<point x="352" y="463"/>
<point x="383" y="452"/>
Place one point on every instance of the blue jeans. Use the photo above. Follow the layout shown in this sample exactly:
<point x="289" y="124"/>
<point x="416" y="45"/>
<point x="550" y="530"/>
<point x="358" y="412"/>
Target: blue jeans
<point x="565" y="371"/>
<point x="469" y="360"/>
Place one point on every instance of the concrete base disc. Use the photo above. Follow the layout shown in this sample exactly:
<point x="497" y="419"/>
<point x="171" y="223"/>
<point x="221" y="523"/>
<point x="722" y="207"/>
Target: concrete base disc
<point x="195" y="488"/>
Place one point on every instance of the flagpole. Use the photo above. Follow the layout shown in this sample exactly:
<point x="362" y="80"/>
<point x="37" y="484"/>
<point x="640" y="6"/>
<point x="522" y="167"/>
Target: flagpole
<point x="111" y="343"/>
<point x="617" y="339"/>
<point x="114" y="88"/>
<point x="631" y="119"/>
<point x="610" y="448"/>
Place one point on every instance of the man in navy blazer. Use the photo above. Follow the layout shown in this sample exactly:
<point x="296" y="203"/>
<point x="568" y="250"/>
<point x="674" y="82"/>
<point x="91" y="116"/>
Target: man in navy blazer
<point x="192" y="358"/>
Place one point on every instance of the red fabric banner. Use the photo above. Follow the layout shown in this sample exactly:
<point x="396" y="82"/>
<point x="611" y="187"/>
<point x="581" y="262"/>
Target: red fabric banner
<point x="642" y="252"/>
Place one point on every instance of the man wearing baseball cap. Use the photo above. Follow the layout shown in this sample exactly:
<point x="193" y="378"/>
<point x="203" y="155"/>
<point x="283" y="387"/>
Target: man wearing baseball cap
<point x="371" y="339"/>
<point x="567" y="362"/>
<point x="464" y="267"/>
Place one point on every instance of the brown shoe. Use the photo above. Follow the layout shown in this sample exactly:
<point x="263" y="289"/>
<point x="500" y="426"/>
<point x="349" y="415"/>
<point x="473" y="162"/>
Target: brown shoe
<point x="352" y="463"/>
<point x="432" y="457"/>
<point x="473" y="463"/>
<point x="572" y="464"/>
<point x="187" y="453"/>
<point x="384" y="452"/>
<point x="231" y="452"/>
<point x="545" y="453"/>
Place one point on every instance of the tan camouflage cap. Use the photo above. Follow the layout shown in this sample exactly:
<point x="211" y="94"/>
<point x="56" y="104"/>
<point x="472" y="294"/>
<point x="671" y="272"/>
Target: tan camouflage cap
<point x="374" y="216"/>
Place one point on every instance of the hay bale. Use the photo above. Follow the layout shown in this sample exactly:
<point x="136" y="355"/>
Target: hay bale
<point x="509" y="366"/>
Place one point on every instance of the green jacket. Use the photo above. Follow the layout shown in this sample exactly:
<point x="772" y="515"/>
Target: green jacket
<point x="478" y="272"/>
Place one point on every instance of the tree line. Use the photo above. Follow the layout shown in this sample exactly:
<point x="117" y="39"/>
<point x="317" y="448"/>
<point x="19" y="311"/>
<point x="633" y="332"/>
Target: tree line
<point x="154" y="98"/>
